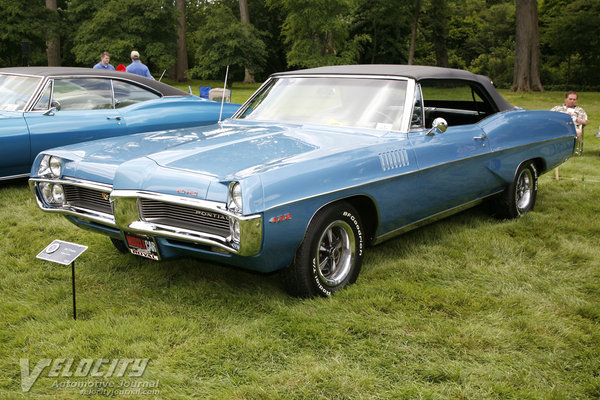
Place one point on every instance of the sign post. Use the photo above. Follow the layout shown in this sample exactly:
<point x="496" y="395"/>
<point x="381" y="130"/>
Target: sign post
<point x="64" y="253"/>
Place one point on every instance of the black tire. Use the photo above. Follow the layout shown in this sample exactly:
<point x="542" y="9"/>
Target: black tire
<point x="330" y="256"/>
<point x="120" y="245"/>
<point x="519" y="197"/>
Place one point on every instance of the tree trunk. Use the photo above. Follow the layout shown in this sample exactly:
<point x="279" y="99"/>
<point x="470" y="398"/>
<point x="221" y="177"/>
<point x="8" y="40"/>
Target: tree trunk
<point x="413" y="34"/>
<point x="182" y="58"/>
<point x="245" y="19"/>
<point x="440" y="31"/>
<point x="53" y="42"/>
<point x="527" y="48"/>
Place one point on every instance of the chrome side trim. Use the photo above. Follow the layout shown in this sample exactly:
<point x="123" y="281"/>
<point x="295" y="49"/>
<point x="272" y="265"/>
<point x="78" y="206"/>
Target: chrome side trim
<point x="78" y="212"/>
<point x="433" y="218"/>
<point x="127" y="216"/>
<point x="6" y="178"/>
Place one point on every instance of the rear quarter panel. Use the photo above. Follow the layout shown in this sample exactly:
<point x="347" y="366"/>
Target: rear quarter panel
<point x="174" y="112"/>
<point x="520" y="135"/>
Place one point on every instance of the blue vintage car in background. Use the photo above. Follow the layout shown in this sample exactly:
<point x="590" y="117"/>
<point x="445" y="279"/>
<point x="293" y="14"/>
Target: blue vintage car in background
<point x="315" y="166"/>
<point x="43" y="107"/>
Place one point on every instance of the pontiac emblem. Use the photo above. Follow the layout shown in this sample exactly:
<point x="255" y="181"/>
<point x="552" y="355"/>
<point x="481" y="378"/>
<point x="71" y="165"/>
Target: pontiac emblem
<point x="209" y="214"/>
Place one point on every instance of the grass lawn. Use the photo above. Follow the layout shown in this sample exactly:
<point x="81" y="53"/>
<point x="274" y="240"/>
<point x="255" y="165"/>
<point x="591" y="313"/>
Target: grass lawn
<point x="467" y="308"/>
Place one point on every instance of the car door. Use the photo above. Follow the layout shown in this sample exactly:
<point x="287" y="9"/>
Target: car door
<point x="73" y="110"/>
<point x="16" y="91"/>
<point x="453" y="165"/>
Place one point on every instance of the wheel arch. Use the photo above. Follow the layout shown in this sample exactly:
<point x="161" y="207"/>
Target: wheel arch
<point x="366" y="208"/>
<point x="540" y="165"/>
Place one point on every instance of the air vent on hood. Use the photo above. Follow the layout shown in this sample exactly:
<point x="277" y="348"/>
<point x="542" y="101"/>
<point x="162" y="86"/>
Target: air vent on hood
<point x="393" y="159"/>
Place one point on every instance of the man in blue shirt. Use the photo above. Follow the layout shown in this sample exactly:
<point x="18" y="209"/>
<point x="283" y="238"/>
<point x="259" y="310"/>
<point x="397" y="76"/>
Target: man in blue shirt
<point x="104" y="62"/>
<point x="136" y="66"/>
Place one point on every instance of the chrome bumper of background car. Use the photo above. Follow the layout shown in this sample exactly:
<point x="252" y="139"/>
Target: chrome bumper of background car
<point x="182" y="218"/>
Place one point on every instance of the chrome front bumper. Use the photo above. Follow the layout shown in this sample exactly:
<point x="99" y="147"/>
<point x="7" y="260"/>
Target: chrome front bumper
<point x="127" y="216"/>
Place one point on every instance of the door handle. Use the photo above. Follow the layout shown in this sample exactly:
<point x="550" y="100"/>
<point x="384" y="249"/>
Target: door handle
<point x="482" y="137"/>
<point x="117" y="117"/>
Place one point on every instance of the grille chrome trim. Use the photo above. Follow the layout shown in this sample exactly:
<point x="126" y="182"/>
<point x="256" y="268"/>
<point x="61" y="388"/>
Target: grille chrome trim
<point x="183" y="216"/>
<point x="130" y="216"/>
<point x="79" y="208"/>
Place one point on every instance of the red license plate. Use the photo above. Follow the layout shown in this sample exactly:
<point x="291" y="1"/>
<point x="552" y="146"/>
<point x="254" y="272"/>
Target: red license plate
<point x="143" y="246"/>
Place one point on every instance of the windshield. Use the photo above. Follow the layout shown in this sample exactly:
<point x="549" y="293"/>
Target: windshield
<point x="353" y="102"/>
<point x="15" y="91"/>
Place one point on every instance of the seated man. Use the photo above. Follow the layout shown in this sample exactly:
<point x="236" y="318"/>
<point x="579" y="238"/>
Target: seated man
<point x="577" y="113"/>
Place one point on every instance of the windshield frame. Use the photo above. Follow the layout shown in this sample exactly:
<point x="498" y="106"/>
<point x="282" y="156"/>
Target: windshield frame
<point x="408" y="100"/>
<point x="32" y="96"/>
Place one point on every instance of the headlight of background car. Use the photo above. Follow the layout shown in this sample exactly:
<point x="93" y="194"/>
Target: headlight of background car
<point x="50" y="166"/>
<point x="234" y="203"/>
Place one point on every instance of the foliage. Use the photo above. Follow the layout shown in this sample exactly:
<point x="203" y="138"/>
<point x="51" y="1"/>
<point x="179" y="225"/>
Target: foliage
<point x="571" y="41"/>
<point x="387" y="26"/>
<point x="224" y="40"/>
<point x="119" y="26"/>
<point x="317" y="32"/>
<point x="24" y="24"/>
<point x="478" y="35"/>
<point x="466" y="308"/>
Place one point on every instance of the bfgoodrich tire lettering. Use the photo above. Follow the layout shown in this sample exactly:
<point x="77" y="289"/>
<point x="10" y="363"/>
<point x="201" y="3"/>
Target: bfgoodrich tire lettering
<point x="519" y="197"/>
<point x="330" y="255"/>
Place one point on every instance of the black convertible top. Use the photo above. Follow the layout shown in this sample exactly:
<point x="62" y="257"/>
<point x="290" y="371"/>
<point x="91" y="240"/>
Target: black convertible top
<point x="160" y="87"/>
<point x="416" y="72"/>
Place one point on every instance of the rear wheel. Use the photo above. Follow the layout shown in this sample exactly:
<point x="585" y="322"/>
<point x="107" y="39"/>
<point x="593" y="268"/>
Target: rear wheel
<point x="330" y="255"/>
<point x="519" y="197"/>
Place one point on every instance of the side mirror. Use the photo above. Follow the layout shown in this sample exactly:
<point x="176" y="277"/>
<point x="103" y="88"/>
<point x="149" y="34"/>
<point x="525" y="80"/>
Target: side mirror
<point x="51" y="111"/>
<point x="439" y="125"/>
<point x="55" y="104"/>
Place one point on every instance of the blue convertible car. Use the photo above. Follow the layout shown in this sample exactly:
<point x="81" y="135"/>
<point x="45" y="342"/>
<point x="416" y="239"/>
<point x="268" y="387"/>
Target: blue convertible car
<point x="43" y="107"/>
<point x="315" y="166"/>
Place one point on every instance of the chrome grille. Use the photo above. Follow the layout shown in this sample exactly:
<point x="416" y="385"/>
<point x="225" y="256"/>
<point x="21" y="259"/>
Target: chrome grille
<point x="88" y="199"/>
<point x="184" y="217"/>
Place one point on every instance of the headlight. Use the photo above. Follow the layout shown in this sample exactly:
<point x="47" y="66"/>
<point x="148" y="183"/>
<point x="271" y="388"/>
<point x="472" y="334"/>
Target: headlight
<point x="44" y="168"/>
<point x="50" y="166"/>
<point x="52" y="193"/>
<point x="56" y="166"/>
<point x="235" y="197"/>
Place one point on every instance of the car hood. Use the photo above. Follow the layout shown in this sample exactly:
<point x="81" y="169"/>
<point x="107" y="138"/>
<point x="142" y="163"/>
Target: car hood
<point x="200" y="162"/>
<point x="233" y="149"/>
<point x="238" y="151"/>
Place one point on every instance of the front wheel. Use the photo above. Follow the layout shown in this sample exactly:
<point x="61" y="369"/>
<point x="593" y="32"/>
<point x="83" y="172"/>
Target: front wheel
<point x="519" y="197"/>
<point x="330" y="255"/>
<point x="120" y="245"/>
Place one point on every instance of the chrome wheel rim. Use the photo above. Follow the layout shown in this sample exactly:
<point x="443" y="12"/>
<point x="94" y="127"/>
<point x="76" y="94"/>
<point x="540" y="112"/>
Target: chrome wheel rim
<point x="524" y="190"/>
<point x="335" y="254"/>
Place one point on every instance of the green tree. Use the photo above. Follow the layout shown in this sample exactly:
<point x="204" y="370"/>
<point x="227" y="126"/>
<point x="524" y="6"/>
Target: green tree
<point x="223" y="40"/>
<point x="21" y="24"/>
<point x="570" y="40"/>
<point x="317" y="32"/>
<point x="119" y="26"/>
<point x="384" y="31"/>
